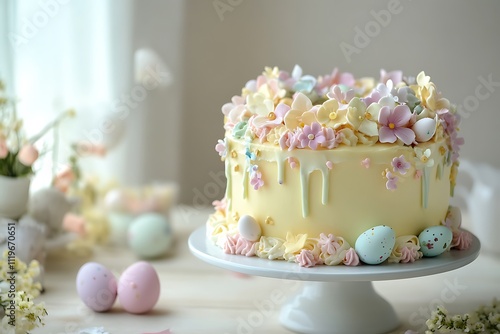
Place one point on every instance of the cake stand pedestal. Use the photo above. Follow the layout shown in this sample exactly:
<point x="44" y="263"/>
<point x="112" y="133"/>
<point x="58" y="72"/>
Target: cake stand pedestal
<point x="337" y="299"/>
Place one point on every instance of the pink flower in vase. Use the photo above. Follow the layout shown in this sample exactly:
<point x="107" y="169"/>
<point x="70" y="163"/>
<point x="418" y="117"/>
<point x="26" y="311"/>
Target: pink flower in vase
<point x="4" y="150"/>
<point x="28" y="155"/>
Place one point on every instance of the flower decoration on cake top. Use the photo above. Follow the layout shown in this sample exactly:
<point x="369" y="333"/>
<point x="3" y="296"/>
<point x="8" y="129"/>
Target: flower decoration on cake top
<point x="296" y="111"/>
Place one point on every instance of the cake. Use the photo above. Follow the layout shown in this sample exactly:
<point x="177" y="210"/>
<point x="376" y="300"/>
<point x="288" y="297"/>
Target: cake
<point x="338" y="170"/>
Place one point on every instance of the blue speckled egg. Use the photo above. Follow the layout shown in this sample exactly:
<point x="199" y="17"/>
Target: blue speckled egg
<point x="375" y="245"/>
<point x="435" y="240"/>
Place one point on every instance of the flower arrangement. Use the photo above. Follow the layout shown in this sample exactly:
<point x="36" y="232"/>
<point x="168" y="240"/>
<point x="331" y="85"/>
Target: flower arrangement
<point x="28" y="315"/>
<point x="18" y="153"/>
<point x="298" y="111"/>
<point x="486" y="319"/>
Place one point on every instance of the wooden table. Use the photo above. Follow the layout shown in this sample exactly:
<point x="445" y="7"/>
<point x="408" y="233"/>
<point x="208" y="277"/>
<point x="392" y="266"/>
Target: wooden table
<point x="199" y="298"/>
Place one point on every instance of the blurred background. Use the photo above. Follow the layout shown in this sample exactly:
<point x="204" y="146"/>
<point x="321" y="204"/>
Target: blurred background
<point x="148" y="78"/>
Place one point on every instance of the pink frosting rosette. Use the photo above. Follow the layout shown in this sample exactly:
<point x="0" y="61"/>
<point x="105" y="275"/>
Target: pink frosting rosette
<point x="406" y="250"/>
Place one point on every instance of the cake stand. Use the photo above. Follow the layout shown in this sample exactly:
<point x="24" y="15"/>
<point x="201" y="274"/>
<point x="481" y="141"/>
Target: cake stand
<point x="336" y="299"/>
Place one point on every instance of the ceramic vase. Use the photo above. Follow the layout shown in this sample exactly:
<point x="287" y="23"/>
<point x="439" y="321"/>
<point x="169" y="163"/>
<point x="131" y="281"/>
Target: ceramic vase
<point x="14" y="196"/>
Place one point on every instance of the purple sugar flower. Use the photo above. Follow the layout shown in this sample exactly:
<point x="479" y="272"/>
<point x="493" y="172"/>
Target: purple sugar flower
<point x="256" y="179"/>
<point x="392" y="180"/>
<point x="221" y="147"/>
<point x="342" y="97"/>
<point x="394" y="124"/>
<point x="400" y="165"/>
<point x="312" y="136"/>
<point x="332" y="138"/>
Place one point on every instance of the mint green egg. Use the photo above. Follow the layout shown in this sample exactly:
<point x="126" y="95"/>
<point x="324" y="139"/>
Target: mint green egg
<point x="150" y="235"/>
<point x="435" y="240"/>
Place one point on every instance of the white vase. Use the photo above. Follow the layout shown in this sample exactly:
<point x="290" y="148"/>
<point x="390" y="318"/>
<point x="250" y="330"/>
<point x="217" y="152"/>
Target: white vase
<point x="14" y="195"/>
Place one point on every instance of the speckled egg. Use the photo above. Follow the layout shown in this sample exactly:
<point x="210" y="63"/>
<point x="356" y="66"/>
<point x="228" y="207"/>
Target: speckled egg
<point x="424" y="129"/>
<point x="375" y="245"/>
<point x="96" y="286"/>
<point x="150" y="235"/>
<point x="435" y="240"/>
<point x="139" y="288"/>
<point x="249" y="228"/>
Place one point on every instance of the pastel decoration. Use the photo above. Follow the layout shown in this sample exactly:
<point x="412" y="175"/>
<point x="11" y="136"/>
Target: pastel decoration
<point x="424" y="129"/>
<point x="150" y="235"/>
<point x="139" y="288"/>
<point x="249" y="228"/>
<point x="96" y="286"/>
<point x="375" y="245"/>
<point x="119" y="223"/>
<point x="435" y="240"/>
<point x="74" y="223"/>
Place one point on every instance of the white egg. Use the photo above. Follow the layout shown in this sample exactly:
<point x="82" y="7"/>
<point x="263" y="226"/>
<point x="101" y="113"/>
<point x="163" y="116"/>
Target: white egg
<point x="424" y="129"/>
<point x="375" y="245"/>
<point x="435" y="240"/>
<point x="249" y="228"/>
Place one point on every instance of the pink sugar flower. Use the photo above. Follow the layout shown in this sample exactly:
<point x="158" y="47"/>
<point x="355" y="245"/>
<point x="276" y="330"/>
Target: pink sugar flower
<point x="220" y="205"/>
<point x="461" y="239"/>
<point x="312" y="136"/>
<point x="343" y="98"/>
<point x="400" y="165"/>
<point x="291" y="139"/>
<point x="366" y="162"/>
<point x="328" y="244"/>
<point x="409" y="254"/>
<point x="395" y="76"/>
<point x="394" y="124"/>
<point x="221" y="147"/>
<point x="256" y="179"/>
<point x="332" y="138"/>
<point x="273" y="119"/>
<point x="392" y="180"/>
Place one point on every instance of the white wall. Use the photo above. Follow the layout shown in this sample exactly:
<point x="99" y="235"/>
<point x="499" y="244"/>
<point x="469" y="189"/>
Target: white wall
<point x="455" y="42"/>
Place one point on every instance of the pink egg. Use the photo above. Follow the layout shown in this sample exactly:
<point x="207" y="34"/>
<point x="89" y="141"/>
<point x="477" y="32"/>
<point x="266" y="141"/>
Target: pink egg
<point x="139" y="288"/>
<point x="96" y="286"/>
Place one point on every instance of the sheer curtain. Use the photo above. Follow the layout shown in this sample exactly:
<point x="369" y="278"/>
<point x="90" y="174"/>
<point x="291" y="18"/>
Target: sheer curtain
<point x="60" y="54"/>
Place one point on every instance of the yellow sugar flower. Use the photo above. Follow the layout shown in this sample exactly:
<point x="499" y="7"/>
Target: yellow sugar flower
<point x="362" y="118"/>
<point x="330" y="116"/>
<point x="301" y="113"/>
<point x="294" y="243"/>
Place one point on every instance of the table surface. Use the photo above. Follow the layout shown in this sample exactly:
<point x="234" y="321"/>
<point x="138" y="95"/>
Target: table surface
<point x="199" y="298"/>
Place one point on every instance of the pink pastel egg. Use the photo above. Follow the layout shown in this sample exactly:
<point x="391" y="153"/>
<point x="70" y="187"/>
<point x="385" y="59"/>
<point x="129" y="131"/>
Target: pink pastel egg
<point x="96" y="286"/>
<point x="139" y="288"/>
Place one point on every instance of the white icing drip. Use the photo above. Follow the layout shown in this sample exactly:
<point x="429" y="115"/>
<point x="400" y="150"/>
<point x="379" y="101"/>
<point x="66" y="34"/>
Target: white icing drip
<point x="229" y="183"/>
<point x="245" y="180"/>
<point x="326" y="184"/>
<point x="304" y="182"/>
<point x="281" y="168"/>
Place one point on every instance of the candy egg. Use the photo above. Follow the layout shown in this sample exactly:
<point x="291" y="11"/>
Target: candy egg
<point x="424" y="129"/>
<point x="96" y="286"/>
<point x="435" y="240"/>
<point x="249" y="228"/>
<point x="139" y="288"/>
<point x="149" y="235"/>
<point x="375" y="245"/>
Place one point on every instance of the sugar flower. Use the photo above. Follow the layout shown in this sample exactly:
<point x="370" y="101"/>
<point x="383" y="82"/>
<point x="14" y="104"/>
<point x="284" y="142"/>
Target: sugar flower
<point x="423" y="158"/>
<point x="259" y="104"/>
<point x="294" y="243"/>
<point x="362" y="118"/>
<point x="304" y="84"/>
<point x="328" y="244"/>
<point x="383" y="90"/>
<point x="312" y="136"/>
<point x="335" y="78"/>
<point x="240" y="129"/>
<point x="394" y="124"/>
<point x="300" y="113"/>
<point x="221" y="147"/>
<point x="256" y="178"/>
<point x="220" y="205"/>
<point x="395" y="76"/>
<point x="273" y="119"/>
<point x="366" y="162"/>
<point x="392" y="180"/>
<point x="406" y="250"/>
<point x="333" y="249"/>
<point x="290" y="139"/>
<point x="332" y="138"/>
<point x="400" y="165"/>
<point x="343" y="97"/>
<point x="329" y="114"/>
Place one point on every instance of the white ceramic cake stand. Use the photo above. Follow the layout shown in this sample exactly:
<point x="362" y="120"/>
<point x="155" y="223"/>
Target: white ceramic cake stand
<point x="336" y="299"/>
